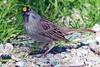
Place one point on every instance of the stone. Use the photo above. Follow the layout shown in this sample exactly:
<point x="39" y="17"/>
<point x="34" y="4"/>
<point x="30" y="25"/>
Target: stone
<point x="96" y="27"/>
<point x="95" y="48"/>
<point x="97" y="38"/>
<point x="21" y="63"/>
<point x="8" y="47"/>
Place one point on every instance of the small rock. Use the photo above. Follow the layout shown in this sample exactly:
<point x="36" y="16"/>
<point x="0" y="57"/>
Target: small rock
<point x="50" y="55"/>
<point x="21" y="64"/>
<point x="8" y="47"/>
<point x="44" y="60"/>
<point x="58" y="65"/>
<point x="96" y="27"/>
<point x="88" y="41"/>
<point x="41" y="64"/>
<point x="82" y="51"/>
<point x="5" y="56"/>
<point x="95" y="48"/>
<point x="85" y="47"/>
<point x="10" y="63"/>
<point x="52" y="61"/>
<point x="15" y="58"/>
<point x="98" y="37"/>
<point x="34" y="65"/>
<point x="73" y="65"/>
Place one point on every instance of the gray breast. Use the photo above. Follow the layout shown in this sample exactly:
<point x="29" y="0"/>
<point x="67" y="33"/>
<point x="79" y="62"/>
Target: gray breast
<point x="32" y="31"/>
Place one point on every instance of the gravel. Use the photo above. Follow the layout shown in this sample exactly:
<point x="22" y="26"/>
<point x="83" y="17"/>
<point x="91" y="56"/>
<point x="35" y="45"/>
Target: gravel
<point x="85" y="53"/>
<point x="81" y="57"/>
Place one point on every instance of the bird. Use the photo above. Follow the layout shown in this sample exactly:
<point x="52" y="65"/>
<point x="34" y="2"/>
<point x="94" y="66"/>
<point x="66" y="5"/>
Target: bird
<point x="43" y="30"/>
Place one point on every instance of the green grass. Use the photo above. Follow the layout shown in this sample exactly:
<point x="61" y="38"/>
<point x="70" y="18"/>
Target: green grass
<point x="11" y="21"/>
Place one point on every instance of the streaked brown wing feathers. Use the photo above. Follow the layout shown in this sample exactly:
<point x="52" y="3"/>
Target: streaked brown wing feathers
<point x="48" y="29"/>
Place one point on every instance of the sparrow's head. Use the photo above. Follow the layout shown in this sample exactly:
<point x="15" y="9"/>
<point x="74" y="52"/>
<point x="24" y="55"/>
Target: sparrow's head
<point x="29" y="15"/>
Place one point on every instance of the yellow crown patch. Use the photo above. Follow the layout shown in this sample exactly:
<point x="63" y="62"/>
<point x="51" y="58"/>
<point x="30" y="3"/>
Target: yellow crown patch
<point x="24" y="9"/>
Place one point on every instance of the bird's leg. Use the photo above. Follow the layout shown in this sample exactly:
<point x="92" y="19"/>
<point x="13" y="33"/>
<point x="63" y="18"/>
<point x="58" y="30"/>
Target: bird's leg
<point x="44" y="46"/>
<point x="53" y="44"/>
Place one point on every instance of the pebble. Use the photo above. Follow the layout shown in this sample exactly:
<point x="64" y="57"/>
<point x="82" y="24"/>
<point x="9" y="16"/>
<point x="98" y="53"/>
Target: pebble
<point x="5" y="56"/>
<point x="97" y="38"/>
<point x="50" y="55"/>
<point x="8" y="47"/>
<point x="95" y="48"/>
<point x="96" y="27"/>
<point x="43" y="60"/>
<point x="21" y="64"/>
<point x="58" y="65"/>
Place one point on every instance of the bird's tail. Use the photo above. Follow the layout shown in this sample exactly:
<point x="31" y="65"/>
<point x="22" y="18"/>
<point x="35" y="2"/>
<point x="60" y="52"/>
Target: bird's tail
<point x="71" y="30"/>
<point x="74" y="34"/>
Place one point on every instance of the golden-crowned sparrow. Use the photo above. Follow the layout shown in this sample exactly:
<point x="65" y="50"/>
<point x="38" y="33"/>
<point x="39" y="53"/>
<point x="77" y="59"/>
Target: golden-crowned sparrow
<point x="42" y="30"/>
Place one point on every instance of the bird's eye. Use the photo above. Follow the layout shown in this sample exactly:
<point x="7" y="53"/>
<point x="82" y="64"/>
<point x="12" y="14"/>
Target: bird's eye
<point x="28" y="9"/>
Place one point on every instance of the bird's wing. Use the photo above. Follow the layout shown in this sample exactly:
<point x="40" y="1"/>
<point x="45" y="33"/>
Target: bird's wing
<point x="50" y="30"/>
